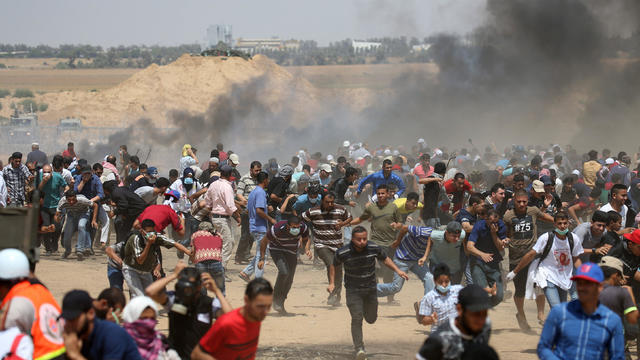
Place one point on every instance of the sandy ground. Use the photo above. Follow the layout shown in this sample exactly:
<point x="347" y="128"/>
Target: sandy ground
<point x="314" y="330"/>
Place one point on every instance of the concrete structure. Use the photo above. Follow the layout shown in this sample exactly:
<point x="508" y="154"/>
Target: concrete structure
<point x="364" y="46"/>
<point x="218" y="33"/>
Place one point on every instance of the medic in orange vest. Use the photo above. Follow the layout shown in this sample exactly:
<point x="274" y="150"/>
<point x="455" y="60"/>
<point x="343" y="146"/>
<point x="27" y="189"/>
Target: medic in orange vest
<point x="30" y="307"/>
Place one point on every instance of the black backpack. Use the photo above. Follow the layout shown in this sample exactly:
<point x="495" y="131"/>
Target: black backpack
<point x="549" y="244"/>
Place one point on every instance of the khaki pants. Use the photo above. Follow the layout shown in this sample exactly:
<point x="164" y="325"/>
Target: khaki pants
<point x="223" y="225"/>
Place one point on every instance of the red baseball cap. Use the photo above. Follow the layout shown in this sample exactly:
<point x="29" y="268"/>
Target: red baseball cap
<point x="633" y="237"/>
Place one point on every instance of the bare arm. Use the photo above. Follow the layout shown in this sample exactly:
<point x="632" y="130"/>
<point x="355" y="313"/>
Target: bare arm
<point x="147" y="249"/>
<point x="156" y="290"/>
<point x="112" y="255"/>
<point x="526" y="260"/>
<point x="389" y="263"/>
<point x="261" y="213"/>
<point x="199" y="354"/>
<point x="471" y="247"/>
<point x="572" y="213"/>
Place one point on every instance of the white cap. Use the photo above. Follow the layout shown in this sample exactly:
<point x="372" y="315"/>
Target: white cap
<point x="346" y="143"/>
<point x="329" y="157"/>
<point x="234" y="158"/>
<point x="214" y="160"/>
<point x="13" y="264"/>
<point x="609" y="161"/>
<point x="396" y="152"/>
<point x="576" y="172"/>
<point x="326" y="168"/>
<point x="421" y="141"/>
<point x="387" y="152"/>
<point x="438" y="152"/>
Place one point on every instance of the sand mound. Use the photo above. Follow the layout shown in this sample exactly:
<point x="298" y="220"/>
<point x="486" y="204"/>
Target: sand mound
<point x="190" y="83"/>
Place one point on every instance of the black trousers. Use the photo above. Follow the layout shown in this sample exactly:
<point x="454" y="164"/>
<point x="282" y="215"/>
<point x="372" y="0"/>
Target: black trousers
<point x="286" y="264"/>
<point x="362" y="304"/>
<point x="50" y="239"/>
<point x="123" y="225"/>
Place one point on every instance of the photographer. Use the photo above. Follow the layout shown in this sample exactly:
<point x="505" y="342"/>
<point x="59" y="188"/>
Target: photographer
<point x="191" y="311"/>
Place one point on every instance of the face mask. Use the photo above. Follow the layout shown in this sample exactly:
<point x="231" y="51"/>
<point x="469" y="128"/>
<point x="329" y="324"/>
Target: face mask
<point x="149" y="235"/>
<point x="313" y="201"/>
<point x="46" y="173"/>
<point x="443" y="289"/>
<point x="561" y="232"/>
<point x="294" y="231"/>
<point x="188" y="181"/>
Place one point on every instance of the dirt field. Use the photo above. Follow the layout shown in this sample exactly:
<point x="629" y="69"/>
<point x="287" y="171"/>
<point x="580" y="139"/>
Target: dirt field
<point x="32" y="74"/>
<point x="314" y="330"/>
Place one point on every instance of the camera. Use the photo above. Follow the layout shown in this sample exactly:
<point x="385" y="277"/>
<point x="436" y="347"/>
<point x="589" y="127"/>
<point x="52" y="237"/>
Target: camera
<point x="187" y="289"/>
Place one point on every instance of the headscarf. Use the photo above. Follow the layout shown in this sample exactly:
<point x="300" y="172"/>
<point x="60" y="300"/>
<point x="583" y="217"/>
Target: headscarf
<point x="184" y="150"/>
<point x="147" y="339"/>
<point x="285" y="171"/>
<point x="185" y="174"/>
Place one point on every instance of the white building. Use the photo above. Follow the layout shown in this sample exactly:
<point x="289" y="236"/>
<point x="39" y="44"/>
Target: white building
<point x="364" y="46"/>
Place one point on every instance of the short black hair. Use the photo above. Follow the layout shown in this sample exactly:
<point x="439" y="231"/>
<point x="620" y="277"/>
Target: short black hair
<point x="609" y="271"/>
<point x="262" y="176"/>
<point x="615" y="189"/>
<point x="134" y="159"/>
<point x="109" y="185"/>
<point x="613" y="216"/>
<point x="560" y="215"/>
<point x="496" y="187"/>
<point x="70" y="193"/>
<point x="57" y="161"/>
<point x="174" y="173"/>
<point x="599" y="216"/>
<point x="111" y="159"/>
<point x="255" y="164"/>
<point x="475" y="198"/>
<point x="358" y="229"/>
<point x="114" y="296"/>
<point x="382" y="187"/>
<point x="593" y="155"/>
<point x="458" y="176"/>
<point x="69" y="144"/>
<point x="413" y="196"/>
<point x="520" y="193"/>
<point x="162" y="182"/>
<point x="97" y="166"/>
<point x="144" y="166"/>
<point x="342" y="159"/>
<point x="147" y="223"/>
<point x="258" y="286"/>
<point x="293" y="220"/>
<point x="440" y="168"/>
<point x="350" y="171"/>
<point x="329" y="194"/>
<point x="441" y="269"/>
<point x="386" y="162"/>
<point x="595" y="193"/>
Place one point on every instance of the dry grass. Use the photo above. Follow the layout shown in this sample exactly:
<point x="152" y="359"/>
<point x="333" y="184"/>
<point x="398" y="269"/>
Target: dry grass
<point x="51" y="80"/>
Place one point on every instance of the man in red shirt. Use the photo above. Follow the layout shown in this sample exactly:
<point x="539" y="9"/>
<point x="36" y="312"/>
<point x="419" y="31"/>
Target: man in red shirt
<point x="235" y="334"/>
<point x="458" y="190"/>
<point x="162" y="216"/>
<point x="70" y="152"/>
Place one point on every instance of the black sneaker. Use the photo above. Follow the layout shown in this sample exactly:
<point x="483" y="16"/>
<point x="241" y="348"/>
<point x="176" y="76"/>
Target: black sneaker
<point x="79" y="256"/>
<point x="66" y="254"/>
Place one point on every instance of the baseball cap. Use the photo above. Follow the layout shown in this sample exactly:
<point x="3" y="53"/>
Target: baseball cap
<point x="215" y="160"/>
<point x="612" y="262"/>
<point x="74" y="303"/>
<point x="537" y="186"/>
<point x="609" y="161"/>
<point x="454" y="227"/>
<point x="634" y="237"/>
<point x="226" y="168"/>
<point x="326" y="168"/>
<point x="234" y="159"/>
<point x="474" y="298"/>
<point x="86" y="170"/>
<point x="153" y="171"/>
<point x="546" y="180"/>
<point x="590" y="272"/>
<point x="346" y="143"/>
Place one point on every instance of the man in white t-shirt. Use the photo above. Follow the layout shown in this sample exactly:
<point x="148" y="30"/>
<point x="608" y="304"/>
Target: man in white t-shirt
<point x="553" y="267"/>
<point x="618" y="198"/>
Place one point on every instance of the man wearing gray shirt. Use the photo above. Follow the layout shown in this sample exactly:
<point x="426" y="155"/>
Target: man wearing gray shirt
<point x="591" y="234"/>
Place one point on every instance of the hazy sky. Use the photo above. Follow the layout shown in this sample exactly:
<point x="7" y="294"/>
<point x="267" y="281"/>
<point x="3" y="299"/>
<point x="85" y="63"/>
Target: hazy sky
<point x="171" y="22"/>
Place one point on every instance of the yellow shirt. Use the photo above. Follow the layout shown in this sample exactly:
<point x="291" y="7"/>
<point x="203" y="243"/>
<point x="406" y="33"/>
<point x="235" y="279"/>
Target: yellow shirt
<point x="400" y="204"/>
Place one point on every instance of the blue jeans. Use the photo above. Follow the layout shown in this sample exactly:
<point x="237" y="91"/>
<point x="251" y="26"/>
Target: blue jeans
<point x="554" y="294"/>
<point x="422" y="272"/>
<point x="485" y="276"/>
<point x="215" y="269"/>
<point x="253" y="265"/>
<point x="116" y="279"/>
<point x="79" y="223"/>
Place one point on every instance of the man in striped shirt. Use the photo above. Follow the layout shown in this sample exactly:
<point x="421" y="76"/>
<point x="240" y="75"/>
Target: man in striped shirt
<point x="283" y="240"/>
<point x="359" y="259"/>
<point x="328" y="219"/>
<point x="412" y="246"/>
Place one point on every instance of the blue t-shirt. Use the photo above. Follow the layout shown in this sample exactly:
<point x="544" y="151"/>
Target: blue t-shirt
<point x="109" y="341"/>
<point x="303" y="204"/>
<point x="481" y="236"/>
<point x="465" y="216"/>
<point x="414" y="243"/>
<point x="52" y="190"/>
<point x="257" y="199"/>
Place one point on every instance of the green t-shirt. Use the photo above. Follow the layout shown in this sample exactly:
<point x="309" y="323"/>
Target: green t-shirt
<point x="381" y="218"/>
<point x="52" y="190"/>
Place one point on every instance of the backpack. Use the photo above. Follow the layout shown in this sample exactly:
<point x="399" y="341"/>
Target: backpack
<point x="549" y="244"/>
<point x="12" y="355"/>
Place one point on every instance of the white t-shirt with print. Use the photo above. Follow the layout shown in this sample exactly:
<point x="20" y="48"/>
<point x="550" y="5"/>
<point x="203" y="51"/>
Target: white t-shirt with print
<point x="557" y="267"/>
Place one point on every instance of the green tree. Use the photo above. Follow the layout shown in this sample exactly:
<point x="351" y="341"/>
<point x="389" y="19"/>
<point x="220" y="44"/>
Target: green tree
<point x="4" y="93"/>
<point x="23" y="93"/>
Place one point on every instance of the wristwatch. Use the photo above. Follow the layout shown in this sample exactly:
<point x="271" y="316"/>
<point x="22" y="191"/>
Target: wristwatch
<point x="593" y="250"/>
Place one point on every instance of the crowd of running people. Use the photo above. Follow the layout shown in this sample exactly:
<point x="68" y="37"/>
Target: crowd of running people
<point x="560" y="225"/>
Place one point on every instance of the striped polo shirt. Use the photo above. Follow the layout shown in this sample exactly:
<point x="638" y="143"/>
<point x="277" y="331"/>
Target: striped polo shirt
<point x="359" y="267"/>
<point x="324" y="225"/>
<point x="280" y="239"/>
<point x="414" y="243"/>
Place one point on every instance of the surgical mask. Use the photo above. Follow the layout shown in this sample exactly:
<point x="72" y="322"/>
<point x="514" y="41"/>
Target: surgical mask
<point x="313" y="201"/>
<point x="294" y="231"/>
<point x="561" y="232"/>
<point x="188" y="181"/>
<point x="150" y="234"/>
<point x="46" y="173"/>
<point x="443" y="289"/>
